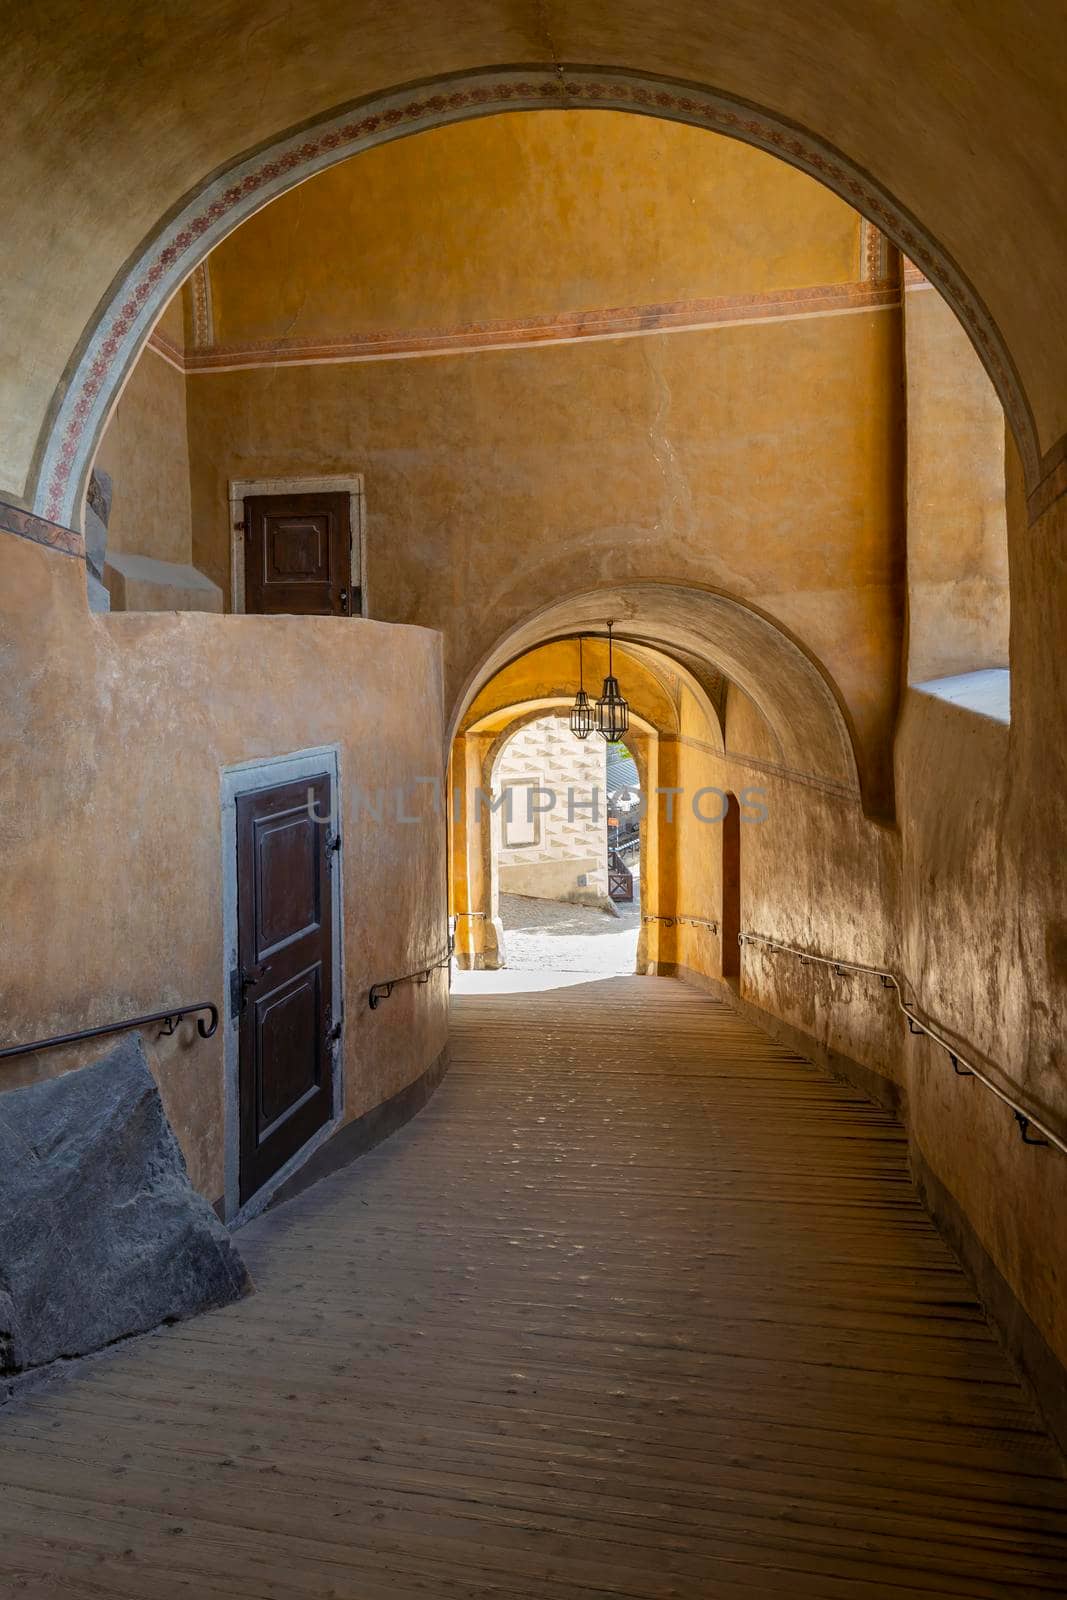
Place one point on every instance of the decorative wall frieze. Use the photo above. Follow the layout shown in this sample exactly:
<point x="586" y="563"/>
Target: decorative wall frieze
<point x="95" y="377"/>
<point x="171" y="353"/>
<point x="203" y="309"/>
<point x="879" y="261"/>
<point x="25" y="525"/>
<point x="567" y="327"/>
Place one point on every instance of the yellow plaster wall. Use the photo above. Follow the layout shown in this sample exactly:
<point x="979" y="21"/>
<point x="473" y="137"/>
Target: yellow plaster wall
<point x="534" y="213"/>
<point x="146" y="451"/>
<point x="747" y="732"/>
<point x="111" y="854"/>
<point x="172" y="323"/>
<point x="763" y="461"/>
<point x="551" y="673"/>
<point x="958" y="602"/>
<point x="984" y="817"/>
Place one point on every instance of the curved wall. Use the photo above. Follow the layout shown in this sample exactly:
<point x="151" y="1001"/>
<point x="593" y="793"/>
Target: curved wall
<point x="111" y="854"/>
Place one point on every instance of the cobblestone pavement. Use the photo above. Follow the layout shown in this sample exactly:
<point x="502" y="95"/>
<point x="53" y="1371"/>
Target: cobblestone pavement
<point x="547" y="936"/>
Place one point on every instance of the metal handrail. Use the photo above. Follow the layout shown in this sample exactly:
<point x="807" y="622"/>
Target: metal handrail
<point x="918" y="1022"/>
<point x="381" y="991"/>
<point x="170" y="1018"/>
<point x="683" y="922"/>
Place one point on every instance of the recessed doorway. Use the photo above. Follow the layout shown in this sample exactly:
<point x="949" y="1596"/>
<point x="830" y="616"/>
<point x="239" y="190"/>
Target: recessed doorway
<point x="282" y="916"/>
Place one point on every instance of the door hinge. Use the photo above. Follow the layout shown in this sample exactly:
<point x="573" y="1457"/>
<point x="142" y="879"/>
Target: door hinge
<point x="334" y="1033"/>
<point x="331" y="846"/>
<point x="240" y="527"/>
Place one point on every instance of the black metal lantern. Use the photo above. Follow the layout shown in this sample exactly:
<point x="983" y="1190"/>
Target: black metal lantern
<point x="612" y="711"/>
<point x="582" y="720"/>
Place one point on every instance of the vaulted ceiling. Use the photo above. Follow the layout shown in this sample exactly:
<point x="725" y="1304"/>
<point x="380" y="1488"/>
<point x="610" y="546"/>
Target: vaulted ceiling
<point x="116" y="112"/>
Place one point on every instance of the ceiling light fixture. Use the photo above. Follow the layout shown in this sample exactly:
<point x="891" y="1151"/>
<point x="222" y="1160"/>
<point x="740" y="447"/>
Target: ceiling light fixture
<point x="582" y="720"/>
<point x="612" y="711"/>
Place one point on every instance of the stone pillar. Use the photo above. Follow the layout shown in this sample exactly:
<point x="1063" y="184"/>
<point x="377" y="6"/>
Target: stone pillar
<point x="475" y="899"/>
<point x="667" y="833"/>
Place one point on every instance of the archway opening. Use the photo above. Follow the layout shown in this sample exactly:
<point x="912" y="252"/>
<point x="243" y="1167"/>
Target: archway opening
<point x="565" y="850"/>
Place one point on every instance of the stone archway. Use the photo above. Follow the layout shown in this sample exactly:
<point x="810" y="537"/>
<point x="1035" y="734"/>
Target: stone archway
<point x="791" y="689"/>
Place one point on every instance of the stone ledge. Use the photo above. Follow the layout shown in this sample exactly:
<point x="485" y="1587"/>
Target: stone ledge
<point x="141" y="583"/>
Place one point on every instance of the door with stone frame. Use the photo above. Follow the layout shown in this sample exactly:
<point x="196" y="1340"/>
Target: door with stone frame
<point x="283" y="985"/>
<point x="298" y="555"/>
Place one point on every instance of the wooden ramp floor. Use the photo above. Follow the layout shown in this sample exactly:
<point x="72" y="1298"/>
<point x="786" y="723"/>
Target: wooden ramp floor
<point x="639" y="1306"/>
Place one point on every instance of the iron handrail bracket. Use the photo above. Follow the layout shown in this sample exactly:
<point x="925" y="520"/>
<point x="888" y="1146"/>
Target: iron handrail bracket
<point x="918" y="1025"/>
<point x="169" y="1020"/>
<point x="381" y="991"/>
<point x="682" y="921"/>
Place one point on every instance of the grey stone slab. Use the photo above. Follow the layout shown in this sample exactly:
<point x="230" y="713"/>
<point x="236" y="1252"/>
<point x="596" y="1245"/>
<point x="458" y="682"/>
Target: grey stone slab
<point x="101" y="1233"/>
<point x="97" y="516"/>
<point x="99" y="598"/>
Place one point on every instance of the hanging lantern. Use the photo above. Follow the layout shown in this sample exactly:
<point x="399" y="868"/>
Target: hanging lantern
<point x="612" y="711"/>
<point x="582" y="720"/>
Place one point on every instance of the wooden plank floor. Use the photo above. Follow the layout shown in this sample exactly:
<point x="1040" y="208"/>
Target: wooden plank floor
<point x="640" y="1306"/>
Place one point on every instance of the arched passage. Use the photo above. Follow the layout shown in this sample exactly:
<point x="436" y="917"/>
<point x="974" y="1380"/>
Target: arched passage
<point x="704" y="631"/>
<point x="477" y="834"/>
<point x="964" y="898"/>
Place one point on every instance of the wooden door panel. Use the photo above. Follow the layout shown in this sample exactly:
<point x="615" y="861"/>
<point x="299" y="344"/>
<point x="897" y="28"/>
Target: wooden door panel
<point x="298" y="554"/>
<point x="287" y="1030"/>
<point x="287" y="901"/>
<point x="285" y="978"/>
<point x="298" y="548"/>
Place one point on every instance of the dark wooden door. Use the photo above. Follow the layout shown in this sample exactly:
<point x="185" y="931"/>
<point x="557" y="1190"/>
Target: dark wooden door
<point x="298" y="554"/>
<point x="731" y="888"/>
<point x="283" y="987"/>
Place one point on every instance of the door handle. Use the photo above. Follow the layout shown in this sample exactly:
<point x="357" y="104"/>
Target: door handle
<point x="253" y="976"/>
<point x="343" y="597"/>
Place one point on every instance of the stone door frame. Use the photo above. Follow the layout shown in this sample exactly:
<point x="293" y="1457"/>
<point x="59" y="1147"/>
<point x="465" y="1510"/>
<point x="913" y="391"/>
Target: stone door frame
<point x="244" y="778"/>
<point x="350" y="484"/>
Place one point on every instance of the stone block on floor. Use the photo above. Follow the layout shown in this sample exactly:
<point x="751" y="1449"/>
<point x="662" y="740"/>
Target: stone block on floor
<point x="101" y="1233"/>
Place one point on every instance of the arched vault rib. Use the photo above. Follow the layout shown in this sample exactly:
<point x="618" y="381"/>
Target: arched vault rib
<point x="786" y="685"/>
<point x="548" y="675"/>
<point x="110" y="346"/>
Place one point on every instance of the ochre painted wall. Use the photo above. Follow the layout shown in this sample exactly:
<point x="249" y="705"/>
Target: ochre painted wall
<point x="116" y="730"/>
<point x="958" y="604"/>
<point x="146" y="451"/>
<point x="815" y="873"/>
<point x="984" y="818"/>
<point x="539" y="212"/>
<point x="764" y="461"/>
